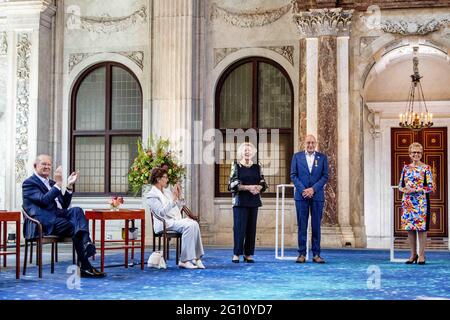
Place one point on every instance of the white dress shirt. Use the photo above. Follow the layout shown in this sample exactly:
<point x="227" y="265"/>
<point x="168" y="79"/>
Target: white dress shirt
<point x="310" y="159"/>
<point x="47" y="184"/>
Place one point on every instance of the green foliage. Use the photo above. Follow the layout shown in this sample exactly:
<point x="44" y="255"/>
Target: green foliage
<point x="156" y="154"/>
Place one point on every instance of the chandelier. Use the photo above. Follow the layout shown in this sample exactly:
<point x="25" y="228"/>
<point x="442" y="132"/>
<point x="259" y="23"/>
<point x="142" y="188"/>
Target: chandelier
<point x="419" y="118"/>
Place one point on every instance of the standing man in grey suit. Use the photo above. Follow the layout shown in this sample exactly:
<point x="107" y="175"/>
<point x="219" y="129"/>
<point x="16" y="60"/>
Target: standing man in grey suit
<point x="309" y="173"/>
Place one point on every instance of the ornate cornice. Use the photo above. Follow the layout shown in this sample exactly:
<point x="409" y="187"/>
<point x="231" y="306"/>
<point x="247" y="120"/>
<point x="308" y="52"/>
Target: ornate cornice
<point x="286" y="51"/>
<point x="362" y="5"/>
<point x="3" y="43"/>
<point x="135" y="56"/>
<point x="105" y="23"/>
<point x="414" y="27"/>
<point x="320" y="22"/>
<point x="249" y="19"/>
<point x="22" y="105"/>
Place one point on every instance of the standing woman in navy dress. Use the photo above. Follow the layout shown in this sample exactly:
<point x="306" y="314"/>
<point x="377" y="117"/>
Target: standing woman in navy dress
<point x="246" y="182"/>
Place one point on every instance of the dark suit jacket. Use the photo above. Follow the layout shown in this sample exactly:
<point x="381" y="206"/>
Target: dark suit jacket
<point x="41" y="205"/>
<point x="302" y="179"/>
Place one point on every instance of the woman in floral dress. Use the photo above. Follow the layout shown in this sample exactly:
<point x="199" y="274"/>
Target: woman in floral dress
<point x="416" y="183"/>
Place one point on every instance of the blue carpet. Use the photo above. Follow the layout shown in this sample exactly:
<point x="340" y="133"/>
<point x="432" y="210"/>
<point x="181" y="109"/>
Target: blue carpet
<point x="344" y="276"/>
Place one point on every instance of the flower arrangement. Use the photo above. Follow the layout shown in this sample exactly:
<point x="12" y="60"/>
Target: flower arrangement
<point x="156" y="154"/>
<point x="115" y="202"/>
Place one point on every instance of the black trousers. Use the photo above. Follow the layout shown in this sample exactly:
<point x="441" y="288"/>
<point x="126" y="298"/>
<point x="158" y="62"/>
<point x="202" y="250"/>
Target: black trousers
<point x="244" y="230"/>
<point x="72" y="223"/>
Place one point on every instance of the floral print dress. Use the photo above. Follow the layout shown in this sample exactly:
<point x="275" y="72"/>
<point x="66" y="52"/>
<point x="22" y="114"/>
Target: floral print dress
<point x="415" y="206"/>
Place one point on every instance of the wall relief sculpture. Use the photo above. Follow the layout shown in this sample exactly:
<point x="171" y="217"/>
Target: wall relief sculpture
<point x="249" y="19"/>
<point x="286" y="51"/>
<point x="135" y="56"/>
<point x="104" y="23"/>
<point x="414" y="27"/>
<point x="22" y="106"/>
<point x="3" y="43"/>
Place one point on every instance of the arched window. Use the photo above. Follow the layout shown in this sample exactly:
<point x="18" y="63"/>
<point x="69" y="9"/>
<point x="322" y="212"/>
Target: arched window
<point x="256" y="93"/>
<point x="106" y="123"/>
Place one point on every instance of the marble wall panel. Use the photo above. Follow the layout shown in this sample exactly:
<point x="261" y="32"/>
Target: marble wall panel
<point x="327" y="122"/>
<point x="302" y="96"/>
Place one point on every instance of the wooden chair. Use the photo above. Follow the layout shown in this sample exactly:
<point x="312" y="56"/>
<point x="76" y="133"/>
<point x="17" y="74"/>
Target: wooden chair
<point x="40" y="240"/>
<point x="166" y="235"/>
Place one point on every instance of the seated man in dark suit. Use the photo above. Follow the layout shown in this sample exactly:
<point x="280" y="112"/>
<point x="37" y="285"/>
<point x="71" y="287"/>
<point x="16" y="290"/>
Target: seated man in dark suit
<point x="44" y="201"/>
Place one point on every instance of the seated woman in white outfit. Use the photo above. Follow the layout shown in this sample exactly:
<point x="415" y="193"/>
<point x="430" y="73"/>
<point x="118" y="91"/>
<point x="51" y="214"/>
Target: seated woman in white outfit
<point x="167" y="205"/>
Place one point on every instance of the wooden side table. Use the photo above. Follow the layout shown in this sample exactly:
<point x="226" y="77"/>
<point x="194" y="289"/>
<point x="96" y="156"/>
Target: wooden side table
<point x="122" y="214"/>
<point x="5" y="217"/>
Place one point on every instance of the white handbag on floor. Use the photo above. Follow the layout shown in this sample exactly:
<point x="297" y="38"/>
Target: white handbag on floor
<point x="156" y="260"/>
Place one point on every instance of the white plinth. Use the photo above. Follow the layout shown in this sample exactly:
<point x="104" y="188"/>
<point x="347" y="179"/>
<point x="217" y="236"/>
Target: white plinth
<point x="279" y="253"/>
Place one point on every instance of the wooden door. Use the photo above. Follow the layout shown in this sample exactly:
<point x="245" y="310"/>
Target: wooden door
<point x="434" y="142"/>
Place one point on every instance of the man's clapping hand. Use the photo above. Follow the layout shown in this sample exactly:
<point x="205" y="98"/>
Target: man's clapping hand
<point x="72" y="179"/>
<point x="58" y="176"/>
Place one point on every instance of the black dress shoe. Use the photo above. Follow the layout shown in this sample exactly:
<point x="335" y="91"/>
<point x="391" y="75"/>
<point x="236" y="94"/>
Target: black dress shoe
<point x="89" y="249"/>
<point x="92" y="273"/>
<point x="421" y="262"/>
<point x="413" y="260"/>
<point x="235" y="260"/>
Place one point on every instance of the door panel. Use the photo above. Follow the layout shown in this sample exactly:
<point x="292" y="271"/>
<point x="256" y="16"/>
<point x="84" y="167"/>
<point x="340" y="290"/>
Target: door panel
<point x="434" y="141"/>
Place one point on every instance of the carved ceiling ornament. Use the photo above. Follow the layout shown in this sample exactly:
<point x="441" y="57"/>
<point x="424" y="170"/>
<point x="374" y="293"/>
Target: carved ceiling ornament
<point x="320" y="22"/>
<point x="249" y="19"/>
<point x="286" y="51"/>
<point x="135" y="56"/>
<point x="414" y="27"/>
<point x="105" y="23"/>
<point x="22" y="105"/>
<point x="3" y="43"/>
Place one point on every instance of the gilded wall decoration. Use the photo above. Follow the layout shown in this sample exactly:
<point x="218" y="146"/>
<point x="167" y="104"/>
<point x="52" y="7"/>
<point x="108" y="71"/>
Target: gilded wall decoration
<point x="22" y="105"/>
<point x="105" y="23"/>
<point x="135" y="56"/>
<point x="249" y="19"/>
<point x="286" y="51"/>
<point x="321" y="22"/>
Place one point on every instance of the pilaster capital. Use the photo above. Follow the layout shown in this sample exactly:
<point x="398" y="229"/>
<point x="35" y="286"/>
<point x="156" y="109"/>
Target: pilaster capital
<point x="323" y="22"/>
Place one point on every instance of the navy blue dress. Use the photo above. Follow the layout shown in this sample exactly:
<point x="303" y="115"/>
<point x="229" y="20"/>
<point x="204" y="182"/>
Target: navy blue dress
<point x="245" y="206"/>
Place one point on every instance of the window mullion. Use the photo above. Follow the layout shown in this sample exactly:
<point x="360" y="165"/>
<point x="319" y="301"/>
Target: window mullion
<point x="108" y="88"/>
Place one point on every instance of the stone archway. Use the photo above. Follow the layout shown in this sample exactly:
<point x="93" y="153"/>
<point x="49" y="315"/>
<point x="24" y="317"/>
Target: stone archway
<point x="384" y="89"/>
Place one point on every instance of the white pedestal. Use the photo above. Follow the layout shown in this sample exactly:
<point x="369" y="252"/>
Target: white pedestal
<point x="280" y="255"/>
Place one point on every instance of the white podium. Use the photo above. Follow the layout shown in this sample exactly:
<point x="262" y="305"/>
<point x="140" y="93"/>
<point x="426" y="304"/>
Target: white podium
<point x="280" y="215"/>
<point x="392" y="224"/>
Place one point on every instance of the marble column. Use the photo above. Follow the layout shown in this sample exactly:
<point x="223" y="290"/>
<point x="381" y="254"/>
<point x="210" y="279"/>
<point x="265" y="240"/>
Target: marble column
<point x="3" y="96"/>
<point x="343" y="99"/>
<point x="309" y="48"/>
<point x="28" y="103"/>
<point x="302" y="97"/>
<point x="329" y="114"/>
<point x="327" y="119"/>
<point x="177" y="38"/>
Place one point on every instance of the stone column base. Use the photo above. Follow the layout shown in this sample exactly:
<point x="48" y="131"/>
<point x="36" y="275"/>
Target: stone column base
<point x="331" y="237"/>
